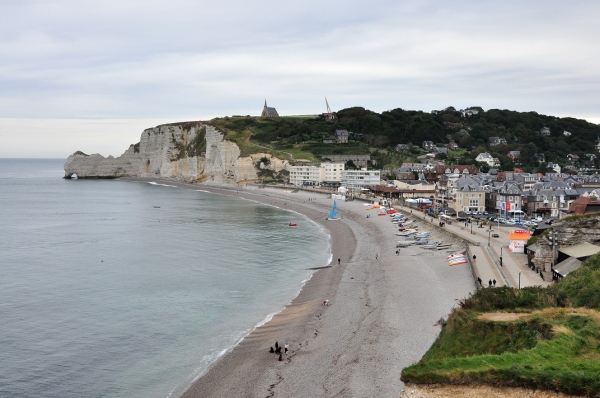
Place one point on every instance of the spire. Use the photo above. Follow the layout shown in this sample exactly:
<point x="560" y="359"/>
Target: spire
<point x="265" y="103"/>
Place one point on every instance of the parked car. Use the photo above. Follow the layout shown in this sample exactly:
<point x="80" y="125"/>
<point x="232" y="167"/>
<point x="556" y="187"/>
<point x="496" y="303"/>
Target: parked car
<point x="550" y="221"/>
<point x="537" y="219"/>
<point x="485" y="213"/>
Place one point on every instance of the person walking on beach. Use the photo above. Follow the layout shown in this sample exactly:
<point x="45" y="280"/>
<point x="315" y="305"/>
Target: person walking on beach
<point x="494" y="282"/>
<point x="339" y="261"/>
<point x="376" y="256"/>
<point x="480" y="281"/>
<point x="286" y="348"/>
<point x="490" y="283"/>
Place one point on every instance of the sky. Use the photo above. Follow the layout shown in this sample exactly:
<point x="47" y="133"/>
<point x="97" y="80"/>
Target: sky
<point x="90" y="76"/>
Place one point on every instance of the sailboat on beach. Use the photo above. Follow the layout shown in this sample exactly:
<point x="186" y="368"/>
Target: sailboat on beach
<point x="333" y="213"/>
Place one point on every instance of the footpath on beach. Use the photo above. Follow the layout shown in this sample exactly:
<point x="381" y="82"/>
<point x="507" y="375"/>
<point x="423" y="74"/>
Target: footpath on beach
<point x="485" y="252"/>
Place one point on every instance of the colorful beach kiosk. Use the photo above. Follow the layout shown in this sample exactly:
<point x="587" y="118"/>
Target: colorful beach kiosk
<point x="517" y="239"/>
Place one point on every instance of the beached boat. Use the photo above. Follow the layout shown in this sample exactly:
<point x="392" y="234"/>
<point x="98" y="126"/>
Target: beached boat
<point x="422" y="235"/>
<point x="457" y="261"/>
<point x="404" y="243"/>
<point x="432" y="245"/>
<point x="455" y="255"/>
<point x="422" y="241"/>
<point x="444" y="247"/>
<point x="292" y="224"/>
<point x="333" y="213"/>
<point x="406" y="233"/>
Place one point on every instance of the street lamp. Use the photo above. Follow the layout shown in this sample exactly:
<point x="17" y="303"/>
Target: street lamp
<point x="519" y="279"/>
<point x="553" y="243"/>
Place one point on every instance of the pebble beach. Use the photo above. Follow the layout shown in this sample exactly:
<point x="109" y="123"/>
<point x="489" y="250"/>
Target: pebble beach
<point x="382" y="315"/>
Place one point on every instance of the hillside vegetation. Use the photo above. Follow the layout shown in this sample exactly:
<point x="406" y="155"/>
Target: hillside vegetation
<point x="295" y="138"/>
<point x="544" y="338"/>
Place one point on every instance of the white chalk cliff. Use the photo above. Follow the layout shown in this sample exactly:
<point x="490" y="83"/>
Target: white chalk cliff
<point x="193" y="152"/>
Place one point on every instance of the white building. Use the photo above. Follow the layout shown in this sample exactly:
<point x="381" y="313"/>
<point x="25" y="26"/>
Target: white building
<point x="314" y="175"/>
<point x="487" y="158"/>
<point x="354" y="180"/>
<point x="333" y="171"/>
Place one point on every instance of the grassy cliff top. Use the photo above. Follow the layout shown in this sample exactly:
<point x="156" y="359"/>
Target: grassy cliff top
<point x="544" y="338"/>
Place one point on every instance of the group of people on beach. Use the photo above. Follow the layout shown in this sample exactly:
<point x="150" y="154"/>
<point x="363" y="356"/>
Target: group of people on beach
<point x="277" y="350"/>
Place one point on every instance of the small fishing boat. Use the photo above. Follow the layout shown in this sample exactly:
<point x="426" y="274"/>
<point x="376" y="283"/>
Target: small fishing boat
<point x="292" y="224"/>
<point x="432" y="245"/>
<point x="406" y="233"/>
<point x="404" y="243"/>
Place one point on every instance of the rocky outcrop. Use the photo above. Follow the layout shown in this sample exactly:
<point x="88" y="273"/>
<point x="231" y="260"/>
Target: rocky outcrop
<point x="193" y="152"/>
<point x="570" y="232"/>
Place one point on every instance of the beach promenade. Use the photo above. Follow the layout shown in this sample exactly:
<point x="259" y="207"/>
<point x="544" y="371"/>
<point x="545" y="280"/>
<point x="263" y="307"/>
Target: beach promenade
<point x="487" y="250"/>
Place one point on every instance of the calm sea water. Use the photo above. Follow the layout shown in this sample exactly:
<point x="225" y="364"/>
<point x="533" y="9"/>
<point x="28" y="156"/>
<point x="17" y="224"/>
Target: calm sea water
<point x="118" y="289"/>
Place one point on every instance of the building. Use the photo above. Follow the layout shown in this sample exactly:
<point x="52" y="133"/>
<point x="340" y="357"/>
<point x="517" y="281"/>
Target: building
<point x="305" y="175"/>
<point x="355" y="180"/>
<point x="513" y="155"/>
<point x="586" y="203"/>
<point x="329" y="173"/>
<point x="428" y="145"/>
<point x="269" y="112"/>
<point x="567" y="133"/>
<point x="332" y="172"/>
<point x="488" y="159"/>
<point x="545" y="131"/>
<point x="341" y="136"/>
<point x="470" y="198"/>
<point x="402" y="148"/>
<point x="493" y="141"/>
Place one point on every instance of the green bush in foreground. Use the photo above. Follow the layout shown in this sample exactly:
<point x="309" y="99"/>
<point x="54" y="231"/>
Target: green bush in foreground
<point x="543" y="338"/>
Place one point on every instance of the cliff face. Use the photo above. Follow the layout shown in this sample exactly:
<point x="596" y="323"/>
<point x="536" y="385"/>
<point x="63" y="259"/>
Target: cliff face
<point x="192" y="152"/>
<point x="570" y="232"/>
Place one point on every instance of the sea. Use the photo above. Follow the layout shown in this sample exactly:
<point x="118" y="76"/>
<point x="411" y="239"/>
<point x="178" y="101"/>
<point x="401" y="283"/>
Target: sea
<point x="113" y="288"/>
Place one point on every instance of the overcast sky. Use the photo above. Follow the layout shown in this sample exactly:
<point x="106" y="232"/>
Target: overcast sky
<point x="90" y="76"/>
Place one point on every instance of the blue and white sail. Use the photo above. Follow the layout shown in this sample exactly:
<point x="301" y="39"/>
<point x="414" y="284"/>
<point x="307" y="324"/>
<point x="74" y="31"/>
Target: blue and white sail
<point x="333" y="212"/>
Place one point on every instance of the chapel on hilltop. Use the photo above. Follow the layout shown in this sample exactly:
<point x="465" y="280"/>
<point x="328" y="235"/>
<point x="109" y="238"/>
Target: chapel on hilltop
<point x="269" y="112"/>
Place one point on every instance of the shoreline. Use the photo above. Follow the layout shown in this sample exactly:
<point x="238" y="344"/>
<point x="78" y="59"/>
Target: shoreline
<point x="383" y="313"/>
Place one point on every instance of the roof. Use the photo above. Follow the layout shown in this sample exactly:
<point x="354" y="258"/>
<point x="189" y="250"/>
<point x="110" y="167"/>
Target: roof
<point x="583" y="249"/>
<point x="564" y="268"/>
<point x="520" y="234"/>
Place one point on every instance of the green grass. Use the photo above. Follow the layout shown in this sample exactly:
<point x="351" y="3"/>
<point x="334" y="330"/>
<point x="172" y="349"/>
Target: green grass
<point x="553" y="345"/>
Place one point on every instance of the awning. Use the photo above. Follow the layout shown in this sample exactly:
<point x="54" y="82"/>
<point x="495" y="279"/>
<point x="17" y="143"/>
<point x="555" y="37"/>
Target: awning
<point x="519" y="234"/>
<point x="583" y="249"/>
<point x="565" y="267"/>
<point x="533" y="248"/>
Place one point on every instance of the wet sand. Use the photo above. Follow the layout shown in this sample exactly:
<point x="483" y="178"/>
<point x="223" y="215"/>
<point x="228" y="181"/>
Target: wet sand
<point x="382" y="315"/>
